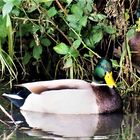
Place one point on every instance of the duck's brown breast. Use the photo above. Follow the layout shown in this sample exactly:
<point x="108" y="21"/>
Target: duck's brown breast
<point x="108" y="99"/>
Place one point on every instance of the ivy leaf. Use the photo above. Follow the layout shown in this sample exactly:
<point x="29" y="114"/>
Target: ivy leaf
<point x="109" y="29"/>
<point x="97" y="36"/>
<point x="83" y="21"/>
<point x="52" y="12"/>
<point x="89" y="42"/>
<point x="7" y="8"/>
<point x="100" y="16"/>
<point x="61" y="48"/>
<point x="97" y="17"/>
<point x="37" y="51"/>
<point x="74" y="52"/>
<point x="16" y="11"/>
<point x="76" y="44"/>
<point x="77" y="10"/>
<point x="46" y="42"/>
<point x="35" y="28"/>
<point x="72" y="18"/>
<point x="89" y="6"/>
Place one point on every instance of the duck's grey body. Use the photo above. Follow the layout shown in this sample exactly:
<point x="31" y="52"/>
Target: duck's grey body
<point x="69" y="96"/>
<point x="66" y="101"/>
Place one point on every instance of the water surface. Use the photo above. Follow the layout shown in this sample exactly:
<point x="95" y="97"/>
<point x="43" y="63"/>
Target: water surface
<point x="37" y="126"/>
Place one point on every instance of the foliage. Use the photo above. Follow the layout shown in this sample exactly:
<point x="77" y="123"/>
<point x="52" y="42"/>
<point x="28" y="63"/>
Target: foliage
<point x="50" y="39"/>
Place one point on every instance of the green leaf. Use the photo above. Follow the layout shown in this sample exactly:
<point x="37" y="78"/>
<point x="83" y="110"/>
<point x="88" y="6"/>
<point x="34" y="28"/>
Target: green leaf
<point x="131" y="32"/>
<point x="35" y="28"/>
<point x="47" y="3"/>
<point x="17" y="2"/>
<point x="68" y="2"/>
<point x="32" y="44"/>
<point x="26" y="58"/>
<point x="45" y="42"/>
<point x="7" y="8"/>
<point x="86" y="55"/>
<point x="76" y="26"/>
<point x="16" y="11"/>
<point x="26" y="29"/>
<point x="76" y="44"/>
<point x="109" y="29"/>
<point x="97" y="36"/>
<point x="72" y="18"/>
<point x="68" y="63"/>
<point x="74" y="52"/>
<point x="89" y="5"/>
<point x="52" y="12"/>
<point x="97" y="17"/>
<point x="101" y="16"/>
<point x="1" y="4"/>
<point x="3" y="31"/>
<point x="61" y="48"/>
<point x="115" y="64"/>
<point x="14" y="2"/>
<point x="83" y="21"/>
<point x="77" y="10"/>
<point x="37" y="51"/>
<point x="89" y="42"/>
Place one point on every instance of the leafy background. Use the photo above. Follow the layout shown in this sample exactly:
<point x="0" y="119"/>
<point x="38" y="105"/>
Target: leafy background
<point x="53" y="39"/>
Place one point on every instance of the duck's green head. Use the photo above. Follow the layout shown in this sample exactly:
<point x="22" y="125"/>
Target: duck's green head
<point x="103" y="71"/>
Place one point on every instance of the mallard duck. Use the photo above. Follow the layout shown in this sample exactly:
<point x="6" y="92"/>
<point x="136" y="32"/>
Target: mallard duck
<point x="70" y="96"/>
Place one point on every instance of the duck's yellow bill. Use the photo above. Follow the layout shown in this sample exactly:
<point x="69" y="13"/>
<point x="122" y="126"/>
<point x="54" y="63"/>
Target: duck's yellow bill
<point x="109" y="79"/>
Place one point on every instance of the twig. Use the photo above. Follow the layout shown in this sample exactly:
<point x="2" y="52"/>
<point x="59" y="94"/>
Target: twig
<point x="4" y="123"/>
<point x="7" y="114"/>
<point x="61" y="7"/>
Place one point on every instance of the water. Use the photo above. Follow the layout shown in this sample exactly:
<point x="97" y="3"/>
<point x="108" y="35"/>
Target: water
<point x="71" y="127"/>
<point x="40" y="126"/>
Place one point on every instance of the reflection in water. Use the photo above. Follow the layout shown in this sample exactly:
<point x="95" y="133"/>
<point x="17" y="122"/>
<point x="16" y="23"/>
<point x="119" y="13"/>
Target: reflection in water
<point x="74" y="127"/>
<point x="71" y="126"/>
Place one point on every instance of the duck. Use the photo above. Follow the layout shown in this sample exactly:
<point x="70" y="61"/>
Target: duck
<point x="70" y="96"/>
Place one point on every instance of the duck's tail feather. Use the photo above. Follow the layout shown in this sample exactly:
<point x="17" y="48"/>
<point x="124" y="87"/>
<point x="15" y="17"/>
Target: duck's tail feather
<point x="17" y="96"/>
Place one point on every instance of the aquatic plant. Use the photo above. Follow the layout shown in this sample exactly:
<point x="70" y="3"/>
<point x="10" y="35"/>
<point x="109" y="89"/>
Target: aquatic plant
<point x="63" y="39"/>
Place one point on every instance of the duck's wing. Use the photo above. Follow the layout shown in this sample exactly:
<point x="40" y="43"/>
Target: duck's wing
<point x="41" y="86"/>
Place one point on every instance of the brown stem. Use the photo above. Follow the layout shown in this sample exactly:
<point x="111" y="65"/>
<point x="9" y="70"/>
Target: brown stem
<point x="61" y="7"/>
